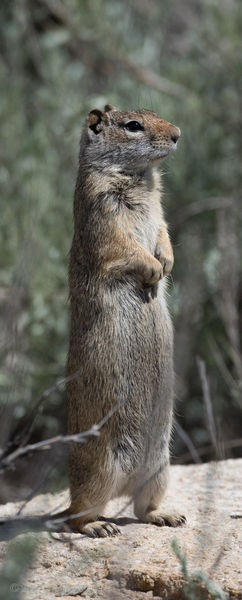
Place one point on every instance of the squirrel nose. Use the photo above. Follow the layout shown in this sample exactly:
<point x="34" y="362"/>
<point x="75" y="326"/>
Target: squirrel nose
<point x="175" y="133"/>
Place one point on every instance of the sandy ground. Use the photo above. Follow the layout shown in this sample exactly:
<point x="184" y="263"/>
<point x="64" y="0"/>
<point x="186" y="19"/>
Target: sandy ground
<point x="140" y="563"/>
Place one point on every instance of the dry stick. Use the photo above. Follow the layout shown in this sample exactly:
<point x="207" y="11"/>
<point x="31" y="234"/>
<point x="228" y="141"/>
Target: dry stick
<point x="208" y="449"/>
<point x="65" y="439"/>
<point x="24" y="436"/>
<point x="208" y="405"/>
<point x="45" y="445"/>
<point x="227" y="377"/>
<point x="79" y="438"/>
<point x="35" y="489"/>
<point x="36" y="410"/>
<point x="187" y="440"/>
<point x="35" y="521"/>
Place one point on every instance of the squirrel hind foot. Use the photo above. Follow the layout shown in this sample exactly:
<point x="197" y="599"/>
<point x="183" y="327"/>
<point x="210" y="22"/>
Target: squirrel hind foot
<point x="97" y="528"/>
<point x="157" y="517"/>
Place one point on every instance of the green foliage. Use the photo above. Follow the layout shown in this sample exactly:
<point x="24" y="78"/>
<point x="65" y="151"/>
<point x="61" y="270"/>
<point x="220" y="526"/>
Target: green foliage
<point x="198" y="581"/>
<point x="60" y="59"/>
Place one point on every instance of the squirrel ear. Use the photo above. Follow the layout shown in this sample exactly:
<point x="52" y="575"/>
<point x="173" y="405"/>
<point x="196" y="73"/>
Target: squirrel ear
<point x="109" y="107"/>
<point x="94" y="120"/>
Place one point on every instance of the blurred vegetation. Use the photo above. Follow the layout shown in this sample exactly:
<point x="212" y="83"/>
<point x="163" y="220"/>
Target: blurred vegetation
<point x="18" y="560"/>
<point x="198" y="585"/>
<point x="183" y="60"/>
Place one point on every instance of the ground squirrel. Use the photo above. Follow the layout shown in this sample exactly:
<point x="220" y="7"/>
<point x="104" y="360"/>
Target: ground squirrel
<point x="121" y="335"/>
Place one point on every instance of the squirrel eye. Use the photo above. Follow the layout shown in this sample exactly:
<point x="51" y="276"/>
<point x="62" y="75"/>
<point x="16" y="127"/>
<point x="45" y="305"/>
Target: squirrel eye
<point x="134" y="126"/>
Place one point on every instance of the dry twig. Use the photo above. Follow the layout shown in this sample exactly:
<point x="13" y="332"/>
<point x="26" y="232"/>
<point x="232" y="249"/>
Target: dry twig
<point x="64" y="439"/>
<point x="208" y="405"/>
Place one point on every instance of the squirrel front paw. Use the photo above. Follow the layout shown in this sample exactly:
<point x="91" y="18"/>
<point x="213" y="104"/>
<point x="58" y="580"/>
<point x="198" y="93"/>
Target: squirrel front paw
<point x="164" y="254"/>
<point x="149" y="273"/>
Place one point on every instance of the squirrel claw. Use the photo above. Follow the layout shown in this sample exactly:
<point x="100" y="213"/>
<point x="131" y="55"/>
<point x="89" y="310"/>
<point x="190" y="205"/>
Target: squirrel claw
<point x="165" y="259"/>
<point x="146" y="295"/>
<point x="149" y="293"/>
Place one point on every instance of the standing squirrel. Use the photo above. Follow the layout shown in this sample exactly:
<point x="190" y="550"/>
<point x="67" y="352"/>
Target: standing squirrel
<point x="121" y="334"/>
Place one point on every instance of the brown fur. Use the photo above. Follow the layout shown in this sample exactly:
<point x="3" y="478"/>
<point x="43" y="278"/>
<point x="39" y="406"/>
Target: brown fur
<point x="121" y="333"/>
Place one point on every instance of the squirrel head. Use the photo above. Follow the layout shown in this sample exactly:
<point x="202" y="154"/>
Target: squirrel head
<point x="126" y="140"/>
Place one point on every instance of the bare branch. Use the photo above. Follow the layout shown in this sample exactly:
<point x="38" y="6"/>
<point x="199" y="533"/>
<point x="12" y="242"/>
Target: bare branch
<point x="208" y="449"/>
<point x="187" y="440"/>
<point x="37" y="408"/>
<point x="21" y="438"/>
<point x="36" y="488"/>
<point x="64" y="439"/>
<point x="208" y="405"/>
